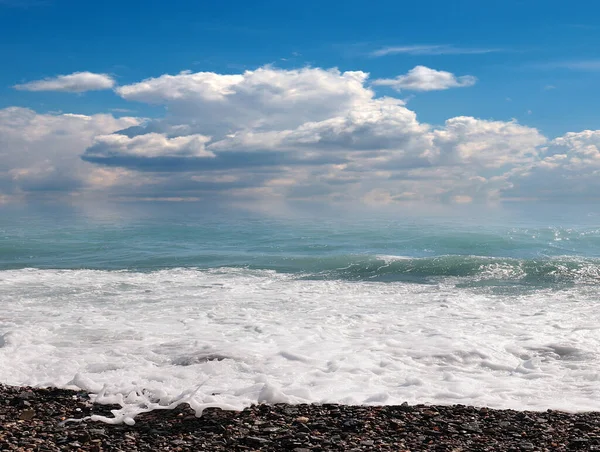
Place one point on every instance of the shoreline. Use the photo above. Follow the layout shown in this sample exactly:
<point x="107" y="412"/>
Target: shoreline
<point x="30" y="419"/>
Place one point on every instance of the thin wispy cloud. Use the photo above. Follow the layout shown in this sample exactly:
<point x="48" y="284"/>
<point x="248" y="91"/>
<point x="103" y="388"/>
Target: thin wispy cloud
<point x="444" y="49"/>
<point x="78" y="82"/>
<point x="583" y="26"/>
<point x="584" y="65"/>
<point x="573" y="65"/>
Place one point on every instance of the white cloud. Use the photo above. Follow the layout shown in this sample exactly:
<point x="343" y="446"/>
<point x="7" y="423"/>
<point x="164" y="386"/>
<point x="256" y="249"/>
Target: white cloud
<point x="78" y="82"/>
<point x="488" y="144"/>
<point x="375" y="125"/>
<point x="570" y="168"/>
<point x="422" y="78"/>
<point x="150" y="145"/>
<point x="313" y="133"/>
<point x="430" y="50"/>
<point x="40" y="153"/>
<point x="266" y="98"/>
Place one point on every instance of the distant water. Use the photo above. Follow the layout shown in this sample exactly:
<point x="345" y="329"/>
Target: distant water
<point x="220" y="309"/>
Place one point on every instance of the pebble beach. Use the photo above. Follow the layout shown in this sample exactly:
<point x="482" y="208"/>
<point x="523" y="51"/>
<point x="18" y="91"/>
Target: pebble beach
<point x="33" y="419"/>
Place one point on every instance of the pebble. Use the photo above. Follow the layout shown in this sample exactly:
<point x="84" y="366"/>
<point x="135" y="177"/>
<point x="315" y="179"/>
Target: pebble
<point x="27" y="415"/>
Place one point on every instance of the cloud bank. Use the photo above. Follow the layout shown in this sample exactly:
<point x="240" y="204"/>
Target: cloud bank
<point x="274" y="136"/>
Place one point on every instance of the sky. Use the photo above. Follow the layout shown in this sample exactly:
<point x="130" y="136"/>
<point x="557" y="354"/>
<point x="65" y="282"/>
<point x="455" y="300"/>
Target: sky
<point x="270" y="103"/>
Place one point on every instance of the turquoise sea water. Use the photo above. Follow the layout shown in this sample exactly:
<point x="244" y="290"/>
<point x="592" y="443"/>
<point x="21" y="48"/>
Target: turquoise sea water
<point x="509" y="249"/>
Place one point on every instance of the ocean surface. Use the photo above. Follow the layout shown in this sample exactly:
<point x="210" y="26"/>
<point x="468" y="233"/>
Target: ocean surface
<point x="154" y="307"/>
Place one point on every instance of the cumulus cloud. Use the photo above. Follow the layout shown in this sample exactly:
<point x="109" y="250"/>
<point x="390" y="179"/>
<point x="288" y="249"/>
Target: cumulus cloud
<point x="422" y="78"/>
<point x="266" y="98"/>
<point x="301" y="126"/>
<point x="490" y="144"/>
<point x="150" y="145"/>
<point x="40" y="153"/>
<point x="569" y="168"/>
<point x="78" y="82"/>
<point x="376" y="125"/>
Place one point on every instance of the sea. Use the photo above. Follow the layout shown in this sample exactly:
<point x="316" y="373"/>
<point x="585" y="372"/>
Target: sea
<point x="152" y="306"/>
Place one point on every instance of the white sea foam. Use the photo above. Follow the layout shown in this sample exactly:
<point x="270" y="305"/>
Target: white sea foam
<point x="233" y="337"/>
<point x="389" y="258"/>
<point x="502" y="270"/>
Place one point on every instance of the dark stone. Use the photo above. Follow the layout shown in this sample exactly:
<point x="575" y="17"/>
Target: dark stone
<point x="582" y="426"/>
<point x="578" y="443"/>
<point x="352" y="424"/>
<point x="256" y="441"/>
<point x="27" y="395"/>
<point x="405" y="407"/>
<point x="471" y="427"/>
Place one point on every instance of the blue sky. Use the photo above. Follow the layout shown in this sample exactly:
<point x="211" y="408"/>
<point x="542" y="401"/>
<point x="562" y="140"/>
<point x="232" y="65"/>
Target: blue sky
<point x="533" y="61"/>
<point x="538" y="43"/>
